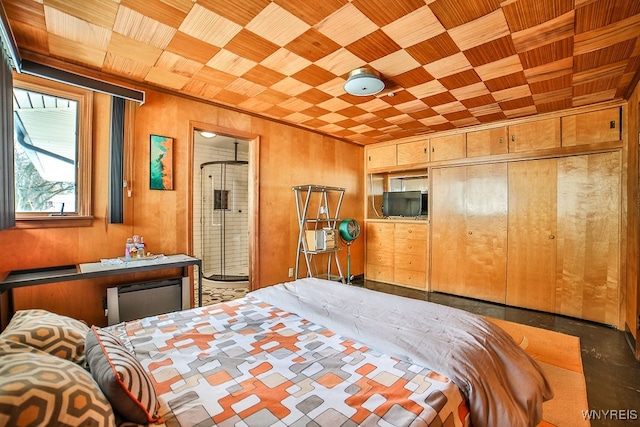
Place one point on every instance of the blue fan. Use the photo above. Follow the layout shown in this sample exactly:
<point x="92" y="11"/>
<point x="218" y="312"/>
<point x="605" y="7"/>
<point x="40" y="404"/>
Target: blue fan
<point x="349" y="231"/>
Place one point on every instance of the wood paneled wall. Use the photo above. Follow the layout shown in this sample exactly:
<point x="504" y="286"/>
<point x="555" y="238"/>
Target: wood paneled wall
<point x="289" y="156"/>
<point x="632" y="180"/>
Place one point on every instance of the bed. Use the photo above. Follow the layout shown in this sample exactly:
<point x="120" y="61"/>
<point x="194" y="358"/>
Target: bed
<point x="308" y="352"/>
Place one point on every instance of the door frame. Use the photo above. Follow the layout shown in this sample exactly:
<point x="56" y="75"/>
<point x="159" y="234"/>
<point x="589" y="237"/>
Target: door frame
<point x="253" y="186"/>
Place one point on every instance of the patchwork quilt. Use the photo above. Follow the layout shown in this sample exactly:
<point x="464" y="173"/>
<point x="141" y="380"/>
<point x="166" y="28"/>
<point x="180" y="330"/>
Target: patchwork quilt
<point x="248" y="363"/>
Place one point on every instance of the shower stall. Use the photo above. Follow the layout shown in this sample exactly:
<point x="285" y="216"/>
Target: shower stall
<point x="224" y="219"/>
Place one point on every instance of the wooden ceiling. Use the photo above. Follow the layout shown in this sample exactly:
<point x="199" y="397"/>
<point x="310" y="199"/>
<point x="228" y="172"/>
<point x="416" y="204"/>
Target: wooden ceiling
<point x="448" y="63"/>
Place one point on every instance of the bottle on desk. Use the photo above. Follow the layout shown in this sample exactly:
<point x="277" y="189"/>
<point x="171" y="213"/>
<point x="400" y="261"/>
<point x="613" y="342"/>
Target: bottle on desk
<point x="127" y="248"/>
<point x="141" y="248"/>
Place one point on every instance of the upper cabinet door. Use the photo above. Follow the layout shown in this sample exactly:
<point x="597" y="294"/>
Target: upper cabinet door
<point x="413" y="152"/>
<point x="591" y="128"/>
<point x="487" y="142"/>
<point x="448" y="147"/>
<point x="534" y="135"/>
<point x="381" y="157"/>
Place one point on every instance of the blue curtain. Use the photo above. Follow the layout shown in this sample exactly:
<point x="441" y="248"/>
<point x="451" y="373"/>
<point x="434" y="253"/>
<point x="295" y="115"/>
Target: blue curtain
<point x="116" y="161"/>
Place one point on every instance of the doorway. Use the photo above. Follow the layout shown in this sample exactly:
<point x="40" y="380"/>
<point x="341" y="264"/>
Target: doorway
<point x="221" y="213"/>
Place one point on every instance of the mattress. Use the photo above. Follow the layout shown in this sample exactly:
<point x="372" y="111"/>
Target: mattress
<point x="315" y="352"/>
<point x="247" y="362"/>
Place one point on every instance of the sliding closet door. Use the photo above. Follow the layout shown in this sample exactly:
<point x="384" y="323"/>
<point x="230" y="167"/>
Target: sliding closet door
<point x="531" y="255"/>
<point x="448" y="237"/>
<point x="486" y="231"/>
<point x="589" y="237"/>
<point x="469" y="226"/>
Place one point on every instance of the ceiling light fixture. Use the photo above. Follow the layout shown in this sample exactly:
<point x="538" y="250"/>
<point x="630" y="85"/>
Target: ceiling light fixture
<point x="207" y="134"/>
<point x="363" y="82"/>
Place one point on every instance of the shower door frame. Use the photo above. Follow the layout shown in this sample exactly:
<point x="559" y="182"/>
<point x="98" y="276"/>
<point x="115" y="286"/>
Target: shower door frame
<point x="253" y="190"/>
<point x="222" y="213"/>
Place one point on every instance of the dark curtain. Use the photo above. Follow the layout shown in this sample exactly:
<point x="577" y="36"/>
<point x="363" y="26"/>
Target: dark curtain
<point x="7" y="173"/>
<point x="116" y="172"/>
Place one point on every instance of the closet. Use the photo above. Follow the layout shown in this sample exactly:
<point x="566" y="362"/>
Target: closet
<point x="469" y="231"/>
<point x="564" y="235"/>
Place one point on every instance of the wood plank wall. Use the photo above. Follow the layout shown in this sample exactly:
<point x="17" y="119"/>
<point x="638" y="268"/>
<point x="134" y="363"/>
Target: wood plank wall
<point x="289" y="156"/>
<point x="632" y="308"/>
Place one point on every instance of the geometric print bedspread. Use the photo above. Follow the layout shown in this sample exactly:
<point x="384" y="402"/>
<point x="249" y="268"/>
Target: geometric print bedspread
<point x="247" y="363"/>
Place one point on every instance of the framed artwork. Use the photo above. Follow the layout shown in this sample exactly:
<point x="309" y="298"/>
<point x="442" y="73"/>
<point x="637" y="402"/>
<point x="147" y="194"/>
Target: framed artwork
<point x="161" y="163"/>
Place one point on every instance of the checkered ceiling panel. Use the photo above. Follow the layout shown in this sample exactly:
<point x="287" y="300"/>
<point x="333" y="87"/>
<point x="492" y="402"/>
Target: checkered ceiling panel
<point x="446" y="63"/>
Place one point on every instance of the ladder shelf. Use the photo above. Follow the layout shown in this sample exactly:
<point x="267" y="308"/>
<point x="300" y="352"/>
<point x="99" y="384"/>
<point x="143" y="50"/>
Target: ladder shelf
<point x="318" y="229"/>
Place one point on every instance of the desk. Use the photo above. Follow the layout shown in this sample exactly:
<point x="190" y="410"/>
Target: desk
<point x="65" y="273"/>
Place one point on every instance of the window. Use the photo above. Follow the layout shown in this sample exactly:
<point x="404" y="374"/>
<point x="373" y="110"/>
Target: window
<point x="52" y="158"/>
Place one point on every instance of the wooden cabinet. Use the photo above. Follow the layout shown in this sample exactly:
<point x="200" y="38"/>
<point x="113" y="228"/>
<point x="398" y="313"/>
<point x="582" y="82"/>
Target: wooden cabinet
<point x="578" y="129"/>
<point x="380" y="255"/>
<point x="538" y="228"/>
<point x="410" y="250"/>
<point x="397" y="253"/>
<point x="413" y="152"/>
<point x="381" y="157"/>
<point x="563" y="236"/>
<point x="469" y="231"/>
<point x="448" y="147"/>
<point x="487" y="142"/>
<point x="593" y="127"/>
<point x="534" y="135"/>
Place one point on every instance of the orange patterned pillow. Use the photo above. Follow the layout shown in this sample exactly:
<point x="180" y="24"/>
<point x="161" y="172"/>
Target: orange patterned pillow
<point x="52" y="333"/>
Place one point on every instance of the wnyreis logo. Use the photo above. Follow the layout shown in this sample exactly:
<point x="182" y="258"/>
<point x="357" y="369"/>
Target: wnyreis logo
<point x="610" y="414"/>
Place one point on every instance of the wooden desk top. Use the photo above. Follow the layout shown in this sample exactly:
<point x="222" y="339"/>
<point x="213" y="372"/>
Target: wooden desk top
<point x="38" y="276"/>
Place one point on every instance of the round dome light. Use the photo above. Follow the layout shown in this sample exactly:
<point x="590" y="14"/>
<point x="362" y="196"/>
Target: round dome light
<point x="363" y="82"/>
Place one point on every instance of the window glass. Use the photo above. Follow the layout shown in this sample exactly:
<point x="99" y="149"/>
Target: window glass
<point x="46" y="146"/>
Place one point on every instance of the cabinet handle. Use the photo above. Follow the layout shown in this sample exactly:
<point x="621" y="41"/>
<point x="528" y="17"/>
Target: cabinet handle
<point x="433" y="149"/>
<point x="501" y="140"/>
<point x="513" y="138"/>
<point x="410" y="231"/>
<point x="369" y="158"/>
<point x="471" y="232"/>
<point x="612" y="124"/>
<point x="551" y="236"/>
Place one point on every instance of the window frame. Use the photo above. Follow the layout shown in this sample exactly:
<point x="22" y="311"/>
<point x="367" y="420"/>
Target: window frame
<point x="83" y="217"/>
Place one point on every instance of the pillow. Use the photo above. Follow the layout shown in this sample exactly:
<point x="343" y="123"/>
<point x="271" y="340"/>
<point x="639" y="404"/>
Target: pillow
<point x="121" y="377"/>
<point x="38" y="389"/>
<point x="52" y="333"/>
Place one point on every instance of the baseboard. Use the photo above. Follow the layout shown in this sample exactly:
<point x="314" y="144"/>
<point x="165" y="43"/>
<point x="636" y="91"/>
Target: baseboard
<point x="631" y="341"/>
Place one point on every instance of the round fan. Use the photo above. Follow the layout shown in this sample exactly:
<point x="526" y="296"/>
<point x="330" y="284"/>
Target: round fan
<point x="349" y="231"/>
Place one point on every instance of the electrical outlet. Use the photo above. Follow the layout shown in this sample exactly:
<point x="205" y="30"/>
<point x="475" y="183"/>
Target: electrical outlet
<point x="290" y="271"/>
